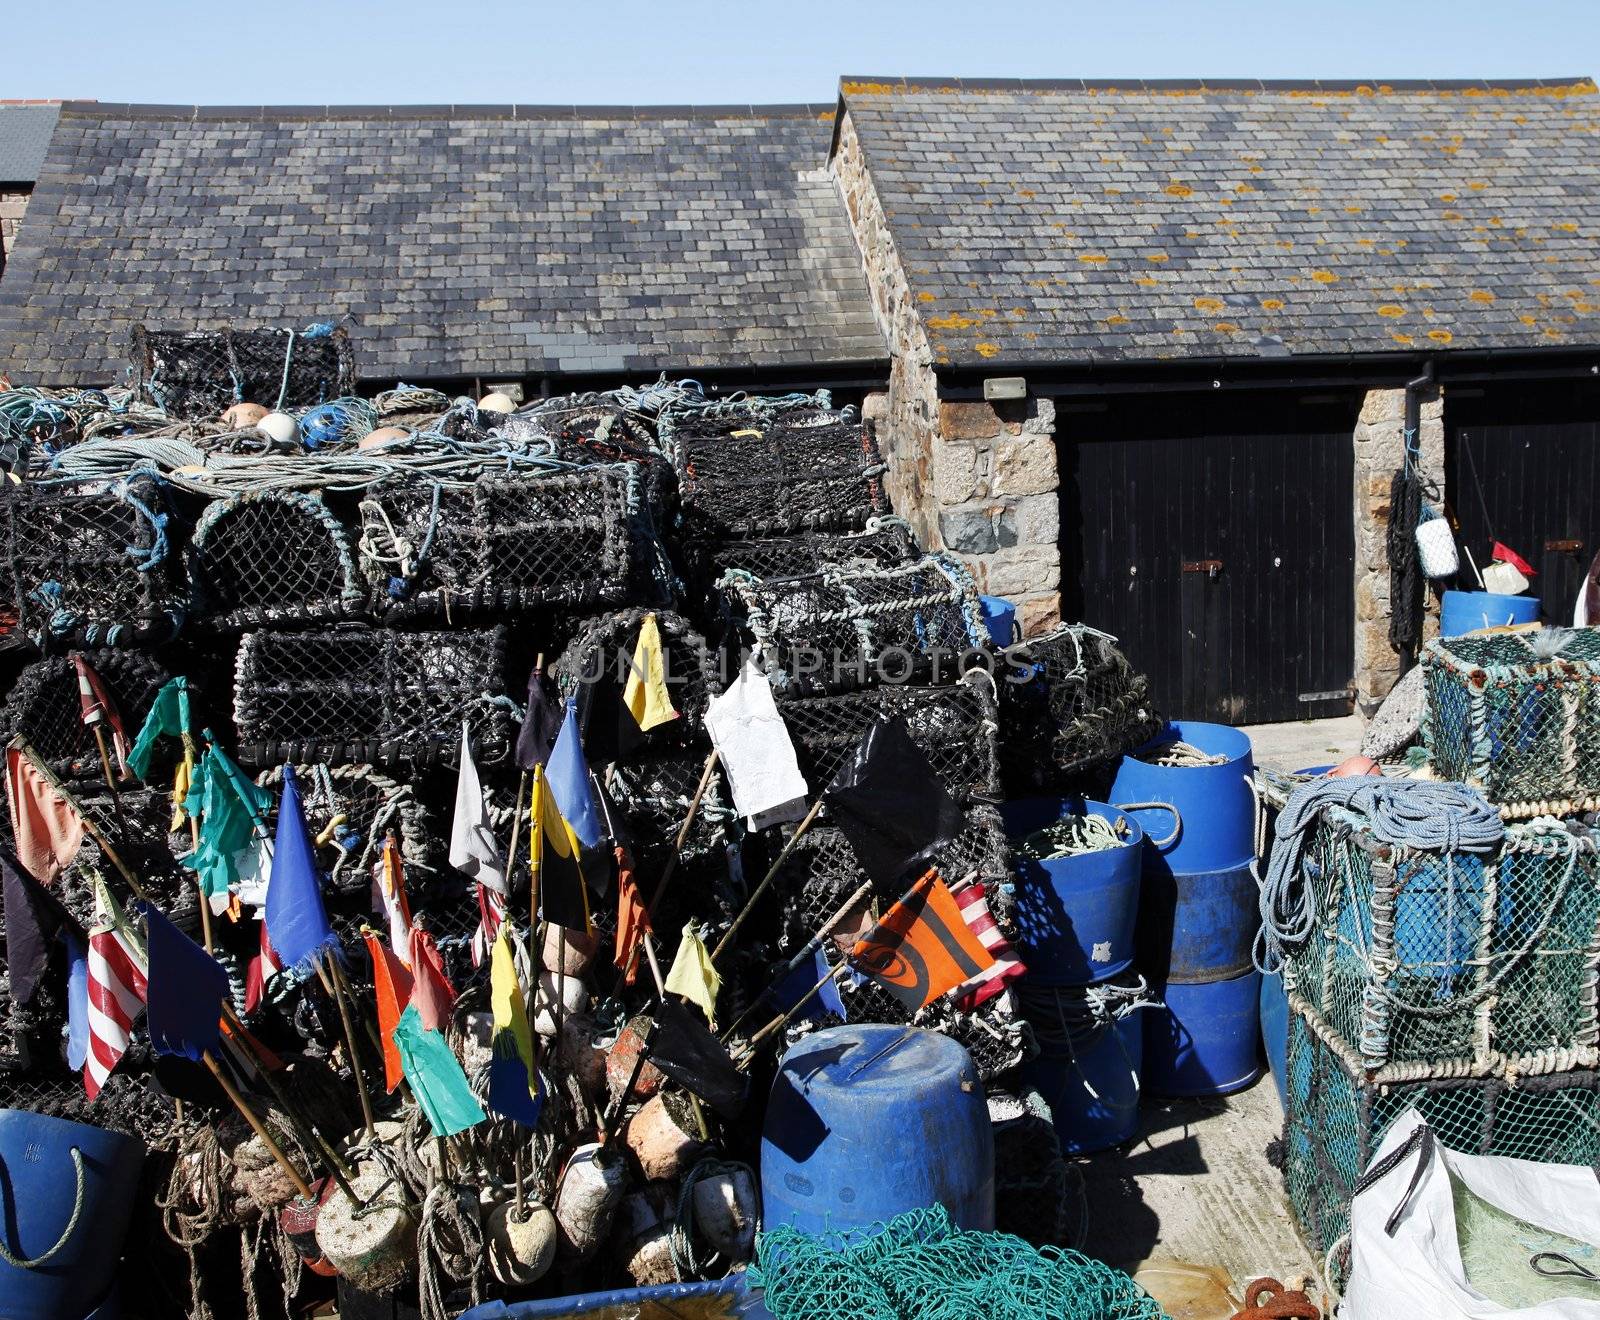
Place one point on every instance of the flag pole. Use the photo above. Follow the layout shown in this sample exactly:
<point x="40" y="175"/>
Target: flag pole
<point x="683" y="835"/>
<point x="194" y="837"/>
<point x="338" y="989"/>
<point x="766" y="880"/>
<point x="256" y="1125"/>
<point x="111" y="782"/>
<point x="779" y="1022"/>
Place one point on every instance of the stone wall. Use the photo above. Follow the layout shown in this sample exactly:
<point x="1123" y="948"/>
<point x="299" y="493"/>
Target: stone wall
<point x="1379" y="451"/>
<point x="13" y="202"/>
<point x="973" y="478"/>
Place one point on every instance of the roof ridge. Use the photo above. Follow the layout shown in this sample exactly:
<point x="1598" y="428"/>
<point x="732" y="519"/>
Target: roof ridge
<point x="577" y="113"/>
<point x="869" y="85"/>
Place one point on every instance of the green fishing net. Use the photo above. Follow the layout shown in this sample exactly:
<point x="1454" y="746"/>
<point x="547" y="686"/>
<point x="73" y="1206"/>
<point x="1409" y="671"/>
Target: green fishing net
<point x="919" y="1266"/>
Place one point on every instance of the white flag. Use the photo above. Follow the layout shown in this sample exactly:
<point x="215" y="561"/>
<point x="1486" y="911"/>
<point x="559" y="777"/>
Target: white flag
<point x="473" y="850"/>
<point x="756" y="753"/>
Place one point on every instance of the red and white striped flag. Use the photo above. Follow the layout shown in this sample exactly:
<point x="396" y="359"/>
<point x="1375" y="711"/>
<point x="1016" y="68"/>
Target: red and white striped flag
<point x="117" y="989"/>
<point x="96" y="707"/>
<point x="263" y="967"/>
<point x="491" y="912"/>
<point x="974" y="904"/>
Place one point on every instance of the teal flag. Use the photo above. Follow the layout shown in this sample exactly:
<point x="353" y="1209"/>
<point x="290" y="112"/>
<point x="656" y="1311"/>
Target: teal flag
<point x="227" y="805"/>
<point x="169" y="718"/>
<point x="436" y="1077"/>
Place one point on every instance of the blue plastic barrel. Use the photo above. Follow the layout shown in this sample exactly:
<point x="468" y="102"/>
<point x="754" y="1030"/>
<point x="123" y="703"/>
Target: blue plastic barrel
<point x="1274" y="1013"/>
<point x="1092" y="1087"/>
<point x="1076" y="915"/>
<point x="1000" y="618"/>
<point x="66" y="1193"/>
<point x="1206" y="1039"/>
<point x="868" y="1121"/>
<point x="729" y="1299"/>
<point x="1466" y="611"/>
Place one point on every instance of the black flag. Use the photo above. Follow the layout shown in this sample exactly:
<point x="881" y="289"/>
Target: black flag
<point x="890" y="803"/>
<point x="689" y="1054"/>
<point x="540" y="725"/>
<point x="34" y="916"/>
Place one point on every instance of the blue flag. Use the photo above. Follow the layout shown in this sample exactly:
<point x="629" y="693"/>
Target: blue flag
<point x="568" y="775"/>
<point x="185" y="989"/>
<point x="77" y="1001"/>
<point x="798" y="983"/>
<point x="297" y="923"/>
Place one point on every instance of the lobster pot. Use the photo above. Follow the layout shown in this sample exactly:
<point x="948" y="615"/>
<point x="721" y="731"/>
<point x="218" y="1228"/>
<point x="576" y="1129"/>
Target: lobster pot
<point x="774" y="467"/>
<point x="1205" y="1037"/>
<point x="600" y="428"/>
<point x="198" y="374"/>
<point x="954" y="727"/>
<point x="1076" y="914"/>
<point x="1337" y="1118"/>
<point x="1452" y="961"/>
<point x="44" y="706"/>
<point x="867" y="1122"/>
<point x="1198" y="911"/>
<point x="1517" y="717"/>
<point x="371" y="695"/>
<point x="844" y="628"/>
<point x="150" y="848"/>
<point x="270" y="557"/>
<point x="1069" y="703"/>
<point x="93" y="562"/>
<point x="69" y="1196"/>
<point x="562" y="539"/>
<point x="886" y="543"/>
<point x="1088" y="1066"/>
<point x="1462" y="612"/>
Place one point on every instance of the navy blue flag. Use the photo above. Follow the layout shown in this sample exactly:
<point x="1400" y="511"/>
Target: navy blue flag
<point x="297" y="923"/>
<point x="186" y="987"/>
<point x="799" y="982"/>
<point x="539" y="726"/>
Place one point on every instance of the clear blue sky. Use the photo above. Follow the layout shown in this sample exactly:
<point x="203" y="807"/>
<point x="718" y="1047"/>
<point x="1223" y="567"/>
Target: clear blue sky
<point x="280" y="52"/>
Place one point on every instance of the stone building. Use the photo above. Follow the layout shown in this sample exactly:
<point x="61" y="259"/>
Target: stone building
<point x="25" y="129"/>
<point x="1141" y="354"/>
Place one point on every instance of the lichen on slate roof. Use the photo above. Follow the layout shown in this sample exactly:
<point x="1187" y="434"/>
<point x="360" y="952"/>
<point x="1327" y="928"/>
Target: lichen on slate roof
<point x="1073" y="222"/>
<point x="458" y="240"/>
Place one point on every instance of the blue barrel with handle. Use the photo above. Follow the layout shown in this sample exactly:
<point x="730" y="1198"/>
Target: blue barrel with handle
<point x="867" y="1121"/>
<point x="66" y="1194"/>
<point x="1075" y="915"/>
<point x="1087" y="1069"/>
<point x="1205" y="1039"/>
<point x="1461" y="612"/>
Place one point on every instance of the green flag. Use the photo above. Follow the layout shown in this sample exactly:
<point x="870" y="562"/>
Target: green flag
<point x="169" y="717"/>
<point x="436" y="1077"/>
<point x="227" y="805"/>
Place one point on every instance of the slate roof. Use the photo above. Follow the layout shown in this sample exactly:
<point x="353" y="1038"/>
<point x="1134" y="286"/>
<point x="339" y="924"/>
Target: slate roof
<point x="1072" y="222"/>
<point x="459" y="240"/>
<point x="25" y="129"/>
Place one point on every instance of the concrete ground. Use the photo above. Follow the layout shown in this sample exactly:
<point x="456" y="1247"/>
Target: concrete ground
<point x="1198" y="1184"/>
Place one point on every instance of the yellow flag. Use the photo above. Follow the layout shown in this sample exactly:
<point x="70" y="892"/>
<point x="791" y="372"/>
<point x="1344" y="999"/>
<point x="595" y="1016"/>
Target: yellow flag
<point x="693" y="976"/>
<point x="180" y="790"/>
<point x="645" y="694"/>
<point x="510" y="1013"/>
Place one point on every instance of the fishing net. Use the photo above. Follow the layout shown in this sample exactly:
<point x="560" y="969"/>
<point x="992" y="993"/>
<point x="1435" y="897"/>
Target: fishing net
<point x="1069" y="702"/>
<point x="1337" y="1118"/>
<point x="919" y="1266"/>
<point x="129" y="1102"/>
<point x="887" y="543"/>
<point x="1425" y="963"/>
<point x="599" y="428"/>
<point x="92" y="561"/>
<point x="1037" y="1194"/>
<point x="844" y="628"/>
<point x="594" y="670"/>
<point x="565" y="539"/>
<point x="371" y="695"/>
<point x="751" y="471"/>
<point x="200" y="373"/>
<point x="1517" y="716"/>
<point x="44" y="706"/>
<point x="954" y="727"/>
<point x="271" y="557"/>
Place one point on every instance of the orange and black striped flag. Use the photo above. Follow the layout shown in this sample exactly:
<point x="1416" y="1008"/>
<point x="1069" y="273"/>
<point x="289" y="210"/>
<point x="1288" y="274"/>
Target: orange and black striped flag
<point x="921" y="948"/>
<point x="554" y="860"/>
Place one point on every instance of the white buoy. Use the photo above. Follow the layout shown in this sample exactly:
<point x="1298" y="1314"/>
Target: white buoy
<point x="280" y="428"/>
<point x="373" y="1245"/>
<point x="725" y="1213"/>
<point x="520" y="1250"/>
<point x="569" y="951"/>
<point x="586" y="1202"/>
<point x="496" y="402"/>
<point x="644" y="1240"/>
<point x="663" y="1142"/>
<point x="572" y="992"/>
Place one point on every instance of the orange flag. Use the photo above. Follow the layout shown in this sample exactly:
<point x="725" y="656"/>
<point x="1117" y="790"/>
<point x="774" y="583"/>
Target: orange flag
<point x="392" y="985"/>
<point x="48" y="831"/>
<point x="921" y="948"/>
<point x="431" y="990"/>
<point x="633" y="920"/>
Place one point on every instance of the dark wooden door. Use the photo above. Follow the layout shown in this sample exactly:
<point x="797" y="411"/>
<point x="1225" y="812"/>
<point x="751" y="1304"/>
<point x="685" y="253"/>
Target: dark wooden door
<point x="1522" y="462"/>
<point x="1213" y="535"/>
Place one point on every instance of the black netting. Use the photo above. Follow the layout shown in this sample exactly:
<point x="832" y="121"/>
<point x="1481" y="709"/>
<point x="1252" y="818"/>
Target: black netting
<point x="45" y="709"/>
<point x="844" y="628"/>
<point x="1069" y="702"/>
<point x="273" y="557"/>
<point x="653" y="792"/>
<point x="888" y="544"/>
<point x="594" y="669"/>
<point x="953" y="726"/>
<point x="200" y="373"/>
<point x="93" y="561"/>
<point x="371" y="695"/>
<point x="751" y="471"/>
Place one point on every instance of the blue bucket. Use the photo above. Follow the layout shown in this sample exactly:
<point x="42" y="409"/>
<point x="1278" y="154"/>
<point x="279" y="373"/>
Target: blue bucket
<point x="1076" y="915"/>
<point x="1214" y="801"/>
<point x="868" y="1121"/>
<point x="721" y="1299"/>
<point x="1000" y="618"/>
<point x="1093" y="1090"/>
<point x="66" y="1194"/>
<point x="1274" y="1012"/>
<point x="1462" y="612"/>
<point x="1205" y="1039"/>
